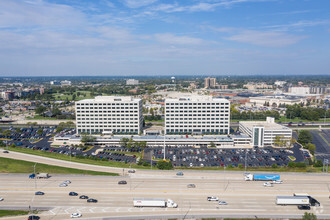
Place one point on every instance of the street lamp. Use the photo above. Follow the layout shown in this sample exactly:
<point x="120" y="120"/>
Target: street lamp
<point x="35" y="176"/>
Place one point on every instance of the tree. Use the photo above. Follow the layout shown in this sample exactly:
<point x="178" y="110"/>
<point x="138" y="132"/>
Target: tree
<point x="305" y="137"/>
<point x="309" y="216"/>
<point x="88" y="138"/>
<point x="40" y="110"/>
<point x="163" y="165"/>
<point x="212" y="144"/>
<point x="318" y="163"/>
<point x="311" y="147"/>
<point x="123" y="142"/>
<point x="40" y="131"/>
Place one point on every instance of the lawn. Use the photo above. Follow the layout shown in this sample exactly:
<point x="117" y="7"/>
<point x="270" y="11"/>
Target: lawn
<point x="20" y="166"/>
<point x="4" y="213"/>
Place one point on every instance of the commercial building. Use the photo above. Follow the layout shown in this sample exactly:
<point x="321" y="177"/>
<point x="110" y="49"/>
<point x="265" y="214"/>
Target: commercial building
<point x="210" y="82"/>
<point x="132" y="82"/>
<point x="109" y="115"/>
<point x="197" y="115"/>
<point x="263" y="133"/>
<point x="275" y="101"/>
<point x="299" y="90"/>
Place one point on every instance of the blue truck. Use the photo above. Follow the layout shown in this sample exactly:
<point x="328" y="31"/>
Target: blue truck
<point x="261" y="177"/>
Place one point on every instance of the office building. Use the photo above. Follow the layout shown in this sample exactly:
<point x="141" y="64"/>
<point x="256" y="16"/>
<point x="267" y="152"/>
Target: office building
<point x="210" y="82"/>
<point x="109" y="115"/>
<point x="132" y="82"/>
<point x="197" y="115"/>
<point x="263" y="133"/>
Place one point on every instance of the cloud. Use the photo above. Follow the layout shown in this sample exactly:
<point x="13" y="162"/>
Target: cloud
<point x="265" y="38"/>
<point x="138" y="3"/>
<point x="201" y="6"/>
<point x="17" y="14"/>
<point x="300" y="24"/>
<point x="169" y="38"/>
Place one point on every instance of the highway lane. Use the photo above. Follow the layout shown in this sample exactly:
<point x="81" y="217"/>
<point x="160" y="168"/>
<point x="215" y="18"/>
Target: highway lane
<point x="249" y="198"/>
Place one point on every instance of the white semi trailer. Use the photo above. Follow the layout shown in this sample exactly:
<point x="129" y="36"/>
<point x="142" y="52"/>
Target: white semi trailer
<point x="292" y="200"/>
<point x="151" y="202"/>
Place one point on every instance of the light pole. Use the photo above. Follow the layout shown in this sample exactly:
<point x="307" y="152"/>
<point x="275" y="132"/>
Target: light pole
<point x="245" y="159"/>
<point x="35" y="175"/>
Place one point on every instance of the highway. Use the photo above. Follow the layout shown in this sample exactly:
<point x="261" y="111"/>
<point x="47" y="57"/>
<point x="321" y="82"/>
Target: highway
<point x="116" y="201"/>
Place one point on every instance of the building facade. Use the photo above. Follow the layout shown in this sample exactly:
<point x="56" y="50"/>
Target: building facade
<point x="109" y="115"/>
<point x="263" y="133"/>
<point x="131" y="82"/>
<point x="197" y="115"/>
<point x="210" y="82"/>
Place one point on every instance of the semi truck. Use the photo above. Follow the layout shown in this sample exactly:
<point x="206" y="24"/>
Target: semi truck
<point x="292" y="200"/>
<point x="261" y="177"/>
<point x="151" y="202"/>
<point x="42" y="176"/>
<point x="296" y="200"/>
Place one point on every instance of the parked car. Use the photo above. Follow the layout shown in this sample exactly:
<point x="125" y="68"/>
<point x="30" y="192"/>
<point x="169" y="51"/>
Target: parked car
<point x="83" y="197"/>
<point x="76" y="215"/>
<point x="92" y="200"/>
<point x="212" y="198"/>
<point x="39" y="193"/>
<point x="122" y="182"/>
<point x="191" y="186"/>
<point x="73" y="194"/>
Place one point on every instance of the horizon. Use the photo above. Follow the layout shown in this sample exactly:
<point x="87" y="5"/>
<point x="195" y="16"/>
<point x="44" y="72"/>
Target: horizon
<point x="158" y="37"/>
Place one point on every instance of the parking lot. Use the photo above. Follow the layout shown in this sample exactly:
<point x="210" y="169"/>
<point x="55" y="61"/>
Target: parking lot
<point x="206" y="157"/>
<point x="39" y="139"/>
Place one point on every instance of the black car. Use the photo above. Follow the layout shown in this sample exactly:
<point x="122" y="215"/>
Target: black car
<point x="92" y="200"/>
<point x="304" y="207"/>
<point x="122" y="182"/>
<point x="5" y="151"/>
<point x="73" y="194"/>
<point x="83" y="197"/>
<point x="33" y="217"/>
<point x="39" y="193"/>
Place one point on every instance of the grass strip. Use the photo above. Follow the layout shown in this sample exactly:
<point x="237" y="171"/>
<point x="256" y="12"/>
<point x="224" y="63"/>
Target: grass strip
<point x="8" y="165"/>
<point x="4" y="213"/>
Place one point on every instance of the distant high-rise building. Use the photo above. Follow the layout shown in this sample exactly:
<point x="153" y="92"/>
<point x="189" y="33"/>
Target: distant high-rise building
<point x="65" y="83"/>
<point x="210" y="82"/>
<point x="132" y="82"/>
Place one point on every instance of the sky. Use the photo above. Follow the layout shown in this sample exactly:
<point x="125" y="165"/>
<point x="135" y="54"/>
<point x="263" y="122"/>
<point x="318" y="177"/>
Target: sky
<point x="164" y="37"/>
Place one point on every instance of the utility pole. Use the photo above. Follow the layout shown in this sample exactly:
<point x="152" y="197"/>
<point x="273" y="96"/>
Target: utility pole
<point x="245" y="158"/>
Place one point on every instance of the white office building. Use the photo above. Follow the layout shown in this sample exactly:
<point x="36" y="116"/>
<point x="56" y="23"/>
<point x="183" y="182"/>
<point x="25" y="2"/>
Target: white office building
<point x="132" y="82"/>
<point x="197" y="115"/>
<point x="263" y="133"/>
<point x="109" y="115"/>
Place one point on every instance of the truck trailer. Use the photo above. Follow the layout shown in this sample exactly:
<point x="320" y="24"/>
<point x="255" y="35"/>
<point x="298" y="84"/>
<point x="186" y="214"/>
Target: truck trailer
<point x="261" y="177"/>
<point x="42" y="176"/>
<point x="292" y="200"/>
<point x="151" y="202"/>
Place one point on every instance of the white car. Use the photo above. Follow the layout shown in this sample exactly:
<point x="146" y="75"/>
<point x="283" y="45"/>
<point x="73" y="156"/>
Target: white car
<point x="212" y="198"/>
<point x="277" y="181"/>
<point x="63" y="185"/>
<point x="223" y="203"/>
<point x="268" y="184"/>
<point x="67" y="182"/>
<point x="1" y="199"/>
<point x="76" y="215"/>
